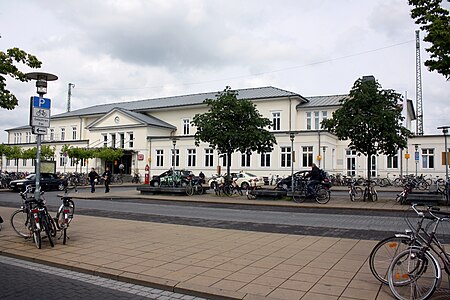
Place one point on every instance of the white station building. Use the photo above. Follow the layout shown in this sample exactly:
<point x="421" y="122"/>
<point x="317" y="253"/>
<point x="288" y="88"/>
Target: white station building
<point x="150" y="130"/>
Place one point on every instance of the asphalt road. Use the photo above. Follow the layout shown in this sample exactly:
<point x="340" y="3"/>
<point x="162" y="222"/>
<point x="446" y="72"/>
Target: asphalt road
<point x="322" y="222"/>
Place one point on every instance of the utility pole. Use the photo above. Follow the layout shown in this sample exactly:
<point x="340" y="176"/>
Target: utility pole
<point x="419" y="122"/>
<point x="69" y="95"/>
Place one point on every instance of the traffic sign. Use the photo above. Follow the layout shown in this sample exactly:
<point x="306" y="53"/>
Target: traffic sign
<point x="416" y="156"/>
<point x="39" y="130"/>
<point x="40" y="112"/>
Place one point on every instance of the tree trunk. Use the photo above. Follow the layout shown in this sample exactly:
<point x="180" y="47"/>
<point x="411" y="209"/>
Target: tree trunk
<point x="369" y="164"/>
<point x="228" y="178"/>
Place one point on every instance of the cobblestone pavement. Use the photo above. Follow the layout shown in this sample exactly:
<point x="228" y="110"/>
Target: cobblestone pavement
<point x="27" y="280"/>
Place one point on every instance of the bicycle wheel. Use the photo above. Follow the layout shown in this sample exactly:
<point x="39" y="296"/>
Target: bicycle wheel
<point x="358" y="193"/>
<point x="48" y="231"/>
<point x="198" y="189"/>
<point x="298" y="197"/>
<point x="322" y="195"/>
<point x="36" y="234"/>
<point x="71" y="209"/>
<point x="414" y="274"/>
<point x="19" y="222"/>
<point x="189" y="190"/>
<point x="227" y="190"/>
<point x="383" y="253"/>
<point x="64" y="234"/>
<point x="374" y="195"/>
<point x="250" y="193"/>
<point x="119" y="180"/>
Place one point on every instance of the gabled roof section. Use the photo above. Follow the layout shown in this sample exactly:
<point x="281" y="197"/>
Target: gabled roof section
<point x="321" y="101"/>
<point x="19" y="128"/>
<point x="177" y="101"/>
<point x="139" y="117"/>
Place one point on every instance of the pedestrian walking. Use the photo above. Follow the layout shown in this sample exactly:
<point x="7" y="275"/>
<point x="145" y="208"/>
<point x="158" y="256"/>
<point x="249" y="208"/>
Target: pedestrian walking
<point x="107" y="177"/>
<point x="93" y="177"/>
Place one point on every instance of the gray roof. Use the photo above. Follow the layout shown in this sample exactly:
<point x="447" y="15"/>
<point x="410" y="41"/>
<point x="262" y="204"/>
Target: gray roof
<point x="177" y="101"/>
<point x="319" y="101"/>
<point x="143" y="118"/>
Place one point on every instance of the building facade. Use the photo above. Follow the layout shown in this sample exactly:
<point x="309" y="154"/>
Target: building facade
<point x="150" y="131"/>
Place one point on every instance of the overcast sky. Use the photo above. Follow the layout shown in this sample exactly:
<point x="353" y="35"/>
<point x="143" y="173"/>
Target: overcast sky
<point x="127" y="50"/>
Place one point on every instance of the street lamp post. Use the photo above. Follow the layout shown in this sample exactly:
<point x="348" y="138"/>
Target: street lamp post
<point x="445" y="131"/>
<point x="174" y="143"/>
<point x="416" y="155"/>
<point x="39" y="128"/>
<point x="324" y="148"/>
<point x="292" y="136"/>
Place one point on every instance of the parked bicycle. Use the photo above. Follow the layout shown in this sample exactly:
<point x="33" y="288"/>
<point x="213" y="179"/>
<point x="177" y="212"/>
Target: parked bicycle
<point x="415" y="273"/>
<point x="355" y="192"/>
<point x="370" y="193"/>
<point x="136" y="178"/>
<point x="64" y="215"/>
<point x="194" y="185"/>
<point x="33" y="218"/>
<point x="384" y="251"/>
<point x="117" y="179"/>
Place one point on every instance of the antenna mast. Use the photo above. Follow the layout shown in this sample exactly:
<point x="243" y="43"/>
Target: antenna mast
<point x="419" y="122"/>
<point x="69" y="95"/>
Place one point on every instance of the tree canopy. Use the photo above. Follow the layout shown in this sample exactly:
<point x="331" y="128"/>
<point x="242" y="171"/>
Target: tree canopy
<point x="232" y="124"/>
<point x="8" y="67"/>
<point x="435" y="20"/>
<point x="370" y="118"/>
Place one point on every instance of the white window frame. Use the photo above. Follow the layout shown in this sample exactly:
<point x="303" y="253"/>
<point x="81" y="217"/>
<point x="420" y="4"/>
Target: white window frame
<point x="428" y="158"/>
<point x="285" y="157"/>
<point x="74" y="133"/>
<point x="63" y="134"/>
<point x="246" y="159"/>
<point x="186" y="126"/>
<point x="307" y="156"/>
<point x="209" y="157"/>
<point x="192" y="157"/>
<point x="276" y="120"/>
<point x="159" y="154"/>
<point x="265" y="160"/>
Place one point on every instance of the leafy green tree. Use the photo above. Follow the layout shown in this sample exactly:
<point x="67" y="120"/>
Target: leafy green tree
<point x="232" y="125"/>
<point x="435" y="20"/>
<point x="8" y="60"/>
<point x="14" y="152"/>
<point x="108" y="154"/>
<point x="370" y="118"/>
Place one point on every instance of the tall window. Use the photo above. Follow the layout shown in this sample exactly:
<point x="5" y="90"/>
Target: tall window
<point x="186" y="125"/>
<point x="373" y="166"/>
<point x="176" y="157"/>
<point x="52" y="134"/>
<point x="245" y="159"/>
<point x="324" y="115"/>
<point x="122" y="140"/>
<point x="74" y="133"/>
<point x="276" y="121"/>
<point x="63" y="134"/>
<point x="428" y="158"/>
<point x="265" y="159"/>
<point x="17" y="138"/>
<point x="28" y="137"/>
<point x="308" y="121"/>
<point x="113" y="140"/>
<point x="105" y="140"/>
<point x="24" y="162"/>
<point x="316" y="120"/>
<point x="191" y="159"/>
<point x="209" y="157"/>
<point x="159" y="158"/>
<point x="307" y="156"/>
<point x="130" y="139"/>
<point x="392" y="162"/>
<point x="286" y="156"/>
<point x="62" y="160"/>
<point x="225" y="161"/>
<point x="351" y="162"/>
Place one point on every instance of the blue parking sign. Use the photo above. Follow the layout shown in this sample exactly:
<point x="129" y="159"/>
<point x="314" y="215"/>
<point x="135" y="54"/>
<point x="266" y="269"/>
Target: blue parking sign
<point x="416" y="156"/>
<point x="44" y="103"/>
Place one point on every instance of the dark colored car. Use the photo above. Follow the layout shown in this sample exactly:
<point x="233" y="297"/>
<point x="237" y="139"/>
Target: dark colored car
<point x="49" y="181"/>
<point x="286" y="183"/>
<point x="166" y="178"/>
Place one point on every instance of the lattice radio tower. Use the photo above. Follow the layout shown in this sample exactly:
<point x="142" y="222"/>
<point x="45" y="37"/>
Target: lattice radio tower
<point x="419" y="122"/>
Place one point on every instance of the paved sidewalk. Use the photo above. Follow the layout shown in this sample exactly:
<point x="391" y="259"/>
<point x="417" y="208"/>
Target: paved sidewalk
<point x="209" y="262"/>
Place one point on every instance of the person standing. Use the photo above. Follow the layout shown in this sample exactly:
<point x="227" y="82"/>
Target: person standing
<point x="107" y="177"/>
<point x="92" y="179"/>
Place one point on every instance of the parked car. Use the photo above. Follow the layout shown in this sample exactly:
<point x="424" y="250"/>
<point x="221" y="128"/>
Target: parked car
<point x="245" y="179"/>
<point x="286" y="183"/>
<point x="166" y="178"/>
<point x="48" y="181"/>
